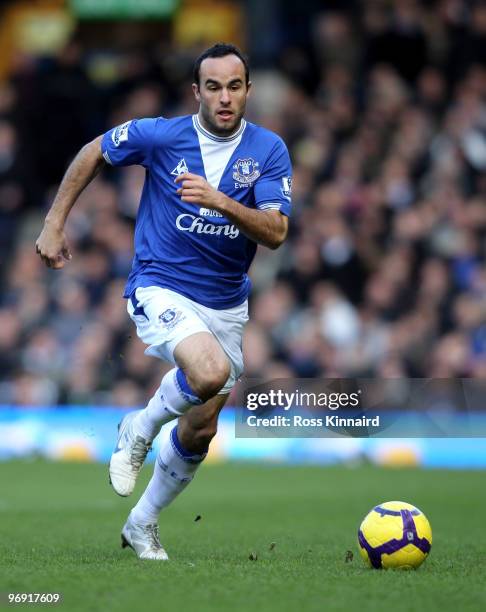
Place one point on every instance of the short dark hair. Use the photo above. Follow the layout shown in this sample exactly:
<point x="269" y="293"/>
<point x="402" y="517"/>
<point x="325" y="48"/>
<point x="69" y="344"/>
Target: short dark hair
<point x="220" y="50"/>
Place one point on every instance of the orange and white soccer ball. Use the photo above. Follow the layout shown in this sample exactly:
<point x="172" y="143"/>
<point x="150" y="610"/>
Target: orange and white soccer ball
<point x="395" y="535"/>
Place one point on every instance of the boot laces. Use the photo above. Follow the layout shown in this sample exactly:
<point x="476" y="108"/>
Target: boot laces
<point x="138" y="452"/>
<point x="153" y="533"/>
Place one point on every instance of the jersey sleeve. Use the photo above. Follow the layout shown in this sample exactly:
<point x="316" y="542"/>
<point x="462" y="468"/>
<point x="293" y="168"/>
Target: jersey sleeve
<point x="130" y="143"/>
<point x="273" y="188"/>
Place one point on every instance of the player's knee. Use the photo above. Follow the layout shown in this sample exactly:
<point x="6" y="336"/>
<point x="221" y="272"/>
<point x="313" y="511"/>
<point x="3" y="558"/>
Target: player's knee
<point x="210" y="377"/>
<point x="217" y="374"/>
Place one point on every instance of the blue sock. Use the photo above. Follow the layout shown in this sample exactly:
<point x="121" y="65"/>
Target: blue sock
<point x="172" y="399"/>
<point x="184" y="454"/>
<point x="185" y="389"/>
<point x="174" y="469"/>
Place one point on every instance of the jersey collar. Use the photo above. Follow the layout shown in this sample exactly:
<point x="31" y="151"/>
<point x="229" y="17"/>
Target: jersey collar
<point x="204" y="132"/>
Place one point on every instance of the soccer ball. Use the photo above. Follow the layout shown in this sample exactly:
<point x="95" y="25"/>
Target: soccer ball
<point x="395" y="535"/>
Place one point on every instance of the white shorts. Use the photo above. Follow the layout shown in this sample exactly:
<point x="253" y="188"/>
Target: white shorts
<point x="164" y="318"/>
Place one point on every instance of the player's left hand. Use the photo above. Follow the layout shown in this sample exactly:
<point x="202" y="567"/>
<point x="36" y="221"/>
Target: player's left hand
<point x="196" y="190"/>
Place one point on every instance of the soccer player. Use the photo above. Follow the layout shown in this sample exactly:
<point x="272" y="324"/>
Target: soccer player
<point x="215" y="187"/>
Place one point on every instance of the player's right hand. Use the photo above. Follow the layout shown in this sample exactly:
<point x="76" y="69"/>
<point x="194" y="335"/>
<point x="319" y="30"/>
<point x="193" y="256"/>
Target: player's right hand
<point x="52" y="247"/>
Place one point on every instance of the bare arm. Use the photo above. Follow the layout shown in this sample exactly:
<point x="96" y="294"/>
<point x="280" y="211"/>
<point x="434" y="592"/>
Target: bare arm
<point x="51" y="245"/>
<point x="267" y="227"/>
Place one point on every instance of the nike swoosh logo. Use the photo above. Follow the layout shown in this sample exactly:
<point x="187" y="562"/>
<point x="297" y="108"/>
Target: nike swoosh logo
<point x="118" y="448"/>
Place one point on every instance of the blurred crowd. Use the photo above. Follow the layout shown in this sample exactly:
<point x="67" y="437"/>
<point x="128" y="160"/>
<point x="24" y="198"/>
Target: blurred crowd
<point x="383" y="109"/>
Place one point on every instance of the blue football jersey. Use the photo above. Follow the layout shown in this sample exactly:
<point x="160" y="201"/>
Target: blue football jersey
<point x="184" y="247"/>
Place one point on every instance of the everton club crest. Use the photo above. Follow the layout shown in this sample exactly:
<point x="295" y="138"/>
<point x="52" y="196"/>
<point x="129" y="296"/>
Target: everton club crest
<point x="246" y="171"/>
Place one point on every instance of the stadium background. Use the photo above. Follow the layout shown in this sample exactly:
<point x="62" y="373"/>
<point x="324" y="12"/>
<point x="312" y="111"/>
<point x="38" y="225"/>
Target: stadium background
<point x="383" y="107"/>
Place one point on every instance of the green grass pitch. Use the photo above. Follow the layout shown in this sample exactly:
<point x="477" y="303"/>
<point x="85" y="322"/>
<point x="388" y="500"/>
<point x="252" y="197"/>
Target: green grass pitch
<point x="60" y="524"/>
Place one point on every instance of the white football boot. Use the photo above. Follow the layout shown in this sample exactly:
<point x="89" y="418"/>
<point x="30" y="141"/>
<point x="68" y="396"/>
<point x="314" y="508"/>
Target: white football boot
<point x="128" y="457"/>
<point x="144" y="540"/>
